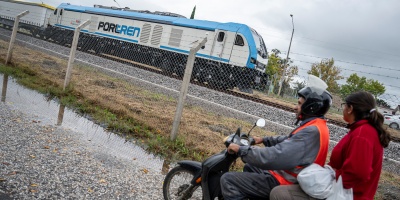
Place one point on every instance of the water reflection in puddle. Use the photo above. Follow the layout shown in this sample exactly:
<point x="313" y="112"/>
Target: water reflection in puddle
<point x="35" y="104"/>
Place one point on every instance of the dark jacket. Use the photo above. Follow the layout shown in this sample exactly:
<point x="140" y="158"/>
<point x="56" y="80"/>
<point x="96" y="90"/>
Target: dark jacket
<point x="286" y="156"/>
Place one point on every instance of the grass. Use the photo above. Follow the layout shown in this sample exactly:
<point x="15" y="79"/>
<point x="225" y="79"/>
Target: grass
<point x="133" y="112"/>
<point x="116" y="119"/>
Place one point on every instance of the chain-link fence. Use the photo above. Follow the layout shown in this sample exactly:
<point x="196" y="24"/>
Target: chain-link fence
<point x="138" y="82"/>
<point x="163" y="52"/>
<point x="148" y="97"/>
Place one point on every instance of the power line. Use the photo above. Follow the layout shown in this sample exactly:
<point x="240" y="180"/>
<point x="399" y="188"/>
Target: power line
<point x="356" y="71"/>
<point x="348" y="62"/>
<point x="348" y="77"/>
<point x="372" y="66"/>
<point x="338" y="48"/>
<point x="347" y="46"/>
<point x="323" y="42"/>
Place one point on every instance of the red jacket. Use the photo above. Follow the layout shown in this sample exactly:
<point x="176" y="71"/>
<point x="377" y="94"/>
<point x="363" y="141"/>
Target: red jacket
<point x="358" y="159"/>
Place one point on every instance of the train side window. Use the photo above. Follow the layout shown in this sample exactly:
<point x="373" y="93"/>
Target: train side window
<point x="221" y="36"/>
<point x="239" y="40"/>
<point x="55" y="12"/>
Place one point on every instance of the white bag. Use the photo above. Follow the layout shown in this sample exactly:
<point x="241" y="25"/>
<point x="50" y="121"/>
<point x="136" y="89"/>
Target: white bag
<point x="317" y="181"/>
<point x="339" y="193"/>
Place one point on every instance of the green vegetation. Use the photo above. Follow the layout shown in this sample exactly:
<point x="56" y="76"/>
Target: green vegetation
<point x="355" y="83"/>
<point x="328" y="72"/>
<point x="133" y="113"/>
<point x="159" y="144"/>
<point x="275" y="70"/>
<point x="193" y="12"/>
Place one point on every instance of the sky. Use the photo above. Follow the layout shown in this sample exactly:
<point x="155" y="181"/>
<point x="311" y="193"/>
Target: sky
<point x="362" y="36"/>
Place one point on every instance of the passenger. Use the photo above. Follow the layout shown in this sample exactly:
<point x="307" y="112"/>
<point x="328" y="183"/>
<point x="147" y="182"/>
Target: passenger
<point x="283" y="157"/>
<point x="358" y="155"/>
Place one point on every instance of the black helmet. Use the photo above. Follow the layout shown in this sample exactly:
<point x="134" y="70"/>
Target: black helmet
<point x="317" y="102"/>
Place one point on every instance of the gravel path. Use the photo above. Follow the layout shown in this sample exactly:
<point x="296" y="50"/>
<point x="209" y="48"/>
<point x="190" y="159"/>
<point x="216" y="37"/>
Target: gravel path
<point x="49" y="162"/>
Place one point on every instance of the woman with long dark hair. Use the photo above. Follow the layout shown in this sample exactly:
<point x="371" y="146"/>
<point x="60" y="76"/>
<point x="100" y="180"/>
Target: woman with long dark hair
<point x="358" y="156"/>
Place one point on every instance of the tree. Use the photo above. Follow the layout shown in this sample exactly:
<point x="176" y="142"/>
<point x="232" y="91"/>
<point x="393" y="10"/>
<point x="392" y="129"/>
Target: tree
<point x="382" y="103"/>
<point x="355" y="83"/>
<point x="274" y="62"/>
<point x="193" y="12"/>
<point x="327" y="72"/>
<point x="298" y="85"/>
<point x="275" y="69"/>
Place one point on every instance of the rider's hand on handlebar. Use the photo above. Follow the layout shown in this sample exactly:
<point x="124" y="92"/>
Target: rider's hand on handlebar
<point x="233" y="148"/>
<point x="258" y="140"/>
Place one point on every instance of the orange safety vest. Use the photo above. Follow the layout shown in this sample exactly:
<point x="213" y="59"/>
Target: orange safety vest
<point x="321" y="156"/>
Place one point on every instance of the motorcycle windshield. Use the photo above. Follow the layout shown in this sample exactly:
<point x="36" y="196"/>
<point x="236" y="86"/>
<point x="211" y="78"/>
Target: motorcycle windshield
<point x="316" y="84"/>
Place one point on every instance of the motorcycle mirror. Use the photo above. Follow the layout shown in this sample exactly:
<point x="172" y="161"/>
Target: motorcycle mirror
<point x="260" y="122"/>
<point x="238" y="131"/>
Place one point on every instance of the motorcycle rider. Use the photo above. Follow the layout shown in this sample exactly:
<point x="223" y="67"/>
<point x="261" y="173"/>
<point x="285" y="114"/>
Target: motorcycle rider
<point x="283" y="157"/>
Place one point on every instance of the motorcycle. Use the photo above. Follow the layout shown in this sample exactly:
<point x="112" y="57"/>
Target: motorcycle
<point x="183" y="181"/>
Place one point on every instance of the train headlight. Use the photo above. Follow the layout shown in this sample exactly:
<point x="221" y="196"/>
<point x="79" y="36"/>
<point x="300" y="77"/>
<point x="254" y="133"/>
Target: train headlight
<point x="253" y="60"/>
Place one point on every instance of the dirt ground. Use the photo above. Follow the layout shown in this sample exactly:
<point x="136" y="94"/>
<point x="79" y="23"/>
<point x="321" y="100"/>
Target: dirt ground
<point x="200" y="128"/>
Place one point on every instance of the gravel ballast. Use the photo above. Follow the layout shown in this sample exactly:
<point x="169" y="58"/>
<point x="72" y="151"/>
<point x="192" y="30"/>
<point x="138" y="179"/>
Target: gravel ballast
<point x="50" y="162"/>
<point x="278" y="121"/>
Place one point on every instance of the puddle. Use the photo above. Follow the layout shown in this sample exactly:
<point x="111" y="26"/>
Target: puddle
<point x="35" y="104"/>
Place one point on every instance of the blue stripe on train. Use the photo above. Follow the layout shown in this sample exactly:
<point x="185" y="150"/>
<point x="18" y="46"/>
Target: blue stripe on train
<point x="135" y="41"/>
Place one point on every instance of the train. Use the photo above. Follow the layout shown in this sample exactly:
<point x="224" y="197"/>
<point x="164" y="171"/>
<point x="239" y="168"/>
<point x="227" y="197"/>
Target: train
<point x="234" y="55"/>
<point x="36" y="22"/>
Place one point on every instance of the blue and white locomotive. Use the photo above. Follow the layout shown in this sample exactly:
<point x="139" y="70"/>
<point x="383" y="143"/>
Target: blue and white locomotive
<point x="234" y="55"/>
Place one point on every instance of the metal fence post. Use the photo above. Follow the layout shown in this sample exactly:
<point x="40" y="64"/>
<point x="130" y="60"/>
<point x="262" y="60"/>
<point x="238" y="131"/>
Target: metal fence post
<point x="14" y="35"/>
<point x="184" y="87"/>
<point x="69" y="68"/>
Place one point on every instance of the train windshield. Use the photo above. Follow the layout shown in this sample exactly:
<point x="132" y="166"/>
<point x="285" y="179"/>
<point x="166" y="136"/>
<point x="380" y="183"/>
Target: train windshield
<point x="260" y="45"/>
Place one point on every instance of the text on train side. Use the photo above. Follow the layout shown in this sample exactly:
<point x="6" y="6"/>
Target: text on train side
<point x="121" y="29"/>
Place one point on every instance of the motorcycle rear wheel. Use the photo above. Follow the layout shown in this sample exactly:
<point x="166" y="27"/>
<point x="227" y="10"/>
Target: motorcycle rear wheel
<point x="177" y="185"/>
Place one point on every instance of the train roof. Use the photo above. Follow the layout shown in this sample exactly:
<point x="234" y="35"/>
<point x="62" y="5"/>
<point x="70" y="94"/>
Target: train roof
<point x="177" y="21"/>
<point x="31" y="3"/>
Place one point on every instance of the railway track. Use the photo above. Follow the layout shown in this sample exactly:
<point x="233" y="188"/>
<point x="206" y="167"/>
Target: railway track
<point x="230" y="92"/>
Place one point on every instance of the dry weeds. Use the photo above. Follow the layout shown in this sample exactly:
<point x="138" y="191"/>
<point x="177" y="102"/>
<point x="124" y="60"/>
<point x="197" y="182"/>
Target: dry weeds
<point x="201" y="129"/>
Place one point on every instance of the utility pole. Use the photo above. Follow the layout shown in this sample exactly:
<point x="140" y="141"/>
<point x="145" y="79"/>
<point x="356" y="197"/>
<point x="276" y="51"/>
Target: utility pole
<point x="286" y="61"/>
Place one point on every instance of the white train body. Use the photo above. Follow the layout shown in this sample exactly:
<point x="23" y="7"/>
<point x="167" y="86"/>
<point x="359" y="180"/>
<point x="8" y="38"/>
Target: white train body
<point x="168" y="33"/>
<point x="39" y="13"/>
<point x="234" y="55"/>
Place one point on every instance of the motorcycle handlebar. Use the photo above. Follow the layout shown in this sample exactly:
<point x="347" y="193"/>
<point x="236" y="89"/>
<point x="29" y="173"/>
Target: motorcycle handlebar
<point x="252" y="141"/>
<point x="243" y="140"/>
